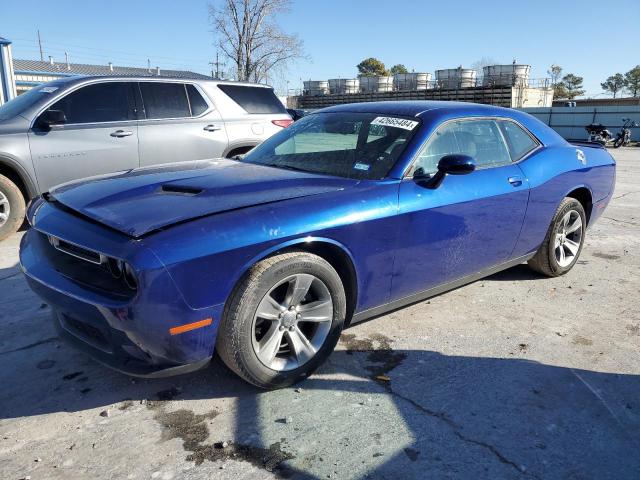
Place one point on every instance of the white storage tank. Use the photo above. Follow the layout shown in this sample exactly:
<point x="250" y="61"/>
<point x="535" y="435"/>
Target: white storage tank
<point x="344" y="85"/>
<point x="506" y="75"/>
<point x="456" y="77"/>
<point x="376" y="84"/>
<point x="316" y="87"/>
<point x="411" y="81"/>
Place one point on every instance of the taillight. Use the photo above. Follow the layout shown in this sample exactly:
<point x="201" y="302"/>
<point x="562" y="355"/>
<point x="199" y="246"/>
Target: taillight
<point x="282" y="123"/>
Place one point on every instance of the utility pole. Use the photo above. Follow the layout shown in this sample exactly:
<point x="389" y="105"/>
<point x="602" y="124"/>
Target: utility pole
<point x="40" y="45"/>
<point x="216" y="64"/>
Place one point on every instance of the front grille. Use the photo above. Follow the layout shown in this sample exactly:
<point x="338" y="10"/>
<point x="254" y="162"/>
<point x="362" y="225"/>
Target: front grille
<point x="84" y="266"/>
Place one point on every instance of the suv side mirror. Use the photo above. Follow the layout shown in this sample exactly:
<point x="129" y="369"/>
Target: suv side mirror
<point x="448" y="165"/>
<point x="52" y="117"/>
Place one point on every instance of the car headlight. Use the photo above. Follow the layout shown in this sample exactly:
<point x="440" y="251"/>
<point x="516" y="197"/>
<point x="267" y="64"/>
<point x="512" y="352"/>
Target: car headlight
<point x="130" y="277"/>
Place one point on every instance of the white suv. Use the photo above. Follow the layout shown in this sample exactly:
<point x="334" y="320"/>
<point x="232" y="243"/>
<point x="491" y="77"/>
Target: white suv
<point x="85" y="126"/>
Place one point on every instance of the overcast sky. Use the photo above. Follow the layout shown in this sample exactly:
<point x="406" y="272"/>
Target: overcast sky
<point x="593" y="39"/>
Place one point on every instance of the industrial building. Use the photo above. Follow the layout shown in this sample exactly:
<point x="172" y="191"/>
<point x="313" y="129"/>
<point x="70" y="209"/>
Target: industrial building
<point x="17" y="75"/>
<point x="502" y="85"/>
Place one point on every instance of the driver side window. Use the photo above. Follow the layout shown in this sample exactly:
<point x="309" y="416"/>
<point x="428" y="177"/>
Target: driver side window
<point x="480" y="139"/>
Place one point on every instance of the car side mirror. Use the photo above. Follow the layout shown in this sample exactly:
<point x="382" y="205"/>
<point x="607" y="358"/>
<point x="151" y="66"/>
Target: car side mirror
<point x="448" y="165"/>
<point x="52" y="117"/>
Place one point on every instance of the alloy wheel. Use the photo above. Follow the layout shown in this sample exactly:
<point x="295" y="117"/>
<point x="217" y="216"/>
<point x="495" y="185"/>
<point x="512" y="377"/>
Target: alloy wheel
<point x="568" y="238"/>
<point x="292" y="322"/>
<point x="5" y="209"/>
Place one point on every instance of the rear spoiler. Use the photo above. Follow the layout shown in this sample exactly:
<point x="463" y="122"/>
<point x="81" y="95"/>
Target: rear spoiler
<point x="584" y="143"/>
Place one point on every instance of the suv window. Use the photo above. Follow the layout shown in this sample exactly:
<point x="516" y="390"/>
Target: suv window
<point x="254" y="99"/>
<point x="480" y="139"/>
<point x="99" y="102"/>
<point x="164" y="100"/>
<point x="196" y="102"/>
<point x="520" y="142"/>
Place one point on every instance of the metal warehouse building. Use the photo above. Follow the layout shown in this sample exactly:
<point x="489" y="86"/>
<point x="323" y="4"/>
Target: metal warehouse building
<point x="17" y="76"/>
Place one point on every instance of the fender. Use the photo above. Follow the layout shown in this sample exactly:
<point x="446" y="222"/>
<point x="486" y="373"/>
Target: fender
<point x="288" y="244"/>
<point x="239" y="144"/>
<point x="23" y="175"/>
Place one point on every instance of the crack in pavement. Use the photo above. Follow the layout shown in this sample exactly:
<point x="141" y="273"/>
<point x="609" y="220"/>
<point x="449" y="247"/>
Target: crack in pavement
<point x="442" y="416"/>
<point x="31" y="345"/>
<point x="11" y="275"/>
<point x="621" y="221"/>
<point x="625" y="194"/>
<point x="385" y="356"/>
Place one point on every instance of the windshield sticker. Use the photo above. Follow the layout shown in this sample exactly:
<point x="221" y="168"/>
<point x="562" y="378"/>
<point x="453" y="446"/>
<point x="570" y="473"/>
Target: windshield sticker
<point x="395" y="122"/>
<point x="362" y="166"/>
<point x="48" y="89"/>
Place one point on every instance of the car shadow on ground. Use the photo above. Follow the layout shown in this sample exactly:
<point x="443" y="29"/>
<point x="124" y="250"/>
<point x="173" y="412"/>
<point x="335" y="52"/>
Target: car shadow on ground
<point x="371" y="411"/>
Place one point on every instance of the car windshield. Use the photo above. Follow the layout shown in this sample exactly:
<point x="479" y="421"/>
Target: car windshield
<point x="22" y="102"/>
<point x="350" y="145"/>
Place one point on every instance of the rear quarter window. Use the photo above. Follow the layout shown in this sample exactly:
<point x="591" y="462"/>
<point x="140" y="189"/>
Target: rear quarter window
<point x="520" y="142"/>
<point x="254" y="99"/>
<point x="198" y="104"/>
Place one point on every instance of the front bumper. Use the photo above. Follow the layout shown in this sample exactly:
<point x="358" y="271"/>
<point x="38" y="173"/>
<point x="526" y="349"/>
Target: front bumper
<point x="131" y="335"/>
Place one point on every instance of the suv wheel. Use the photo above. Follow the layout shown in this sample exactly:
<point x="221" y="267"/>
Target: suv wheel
<point x="283" y="320"/>
<point x="12" y="207"/>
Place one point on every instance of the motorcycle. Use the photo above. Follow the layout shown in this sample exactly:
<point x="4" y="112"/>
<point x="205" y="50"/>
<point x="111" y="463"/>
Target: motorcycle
<point x="623" y="137"/>
<point x="598" y="133"/>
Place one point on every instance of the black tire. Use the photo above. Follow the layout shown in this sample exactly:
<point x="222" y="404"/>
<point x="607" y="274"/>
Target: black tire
<point x="234" y="341"/>
<point x="16" y="207"/>
<point x="544" y="261"/>
<point x="618" y="142"/>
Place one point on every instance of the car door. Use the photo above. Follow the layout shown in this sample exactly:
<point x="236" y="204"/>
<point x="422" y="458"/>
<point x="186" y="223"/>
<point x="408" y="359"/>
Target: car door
<point x="470" y="222"/>
<point x="179" y="124"/>
<point x="99" y="135"/>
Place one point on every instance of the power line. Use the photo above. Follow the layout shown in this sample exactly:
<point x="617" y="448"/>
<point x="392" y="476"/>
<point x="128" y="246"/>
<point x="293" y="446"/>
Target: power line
<point x="103" y="51"/>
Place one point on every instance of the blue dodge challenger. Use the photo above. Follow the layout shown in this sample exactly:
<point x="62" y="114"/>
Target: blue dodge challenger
<point x="351" y="212"/>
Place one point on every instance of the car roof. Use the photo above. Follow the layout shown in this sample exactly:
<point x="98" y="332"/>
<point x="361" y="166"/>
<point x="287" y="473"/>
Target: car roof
<point x="436" y="111"/>
<point x="416" y="108"/>
<point x="164" y="78"/>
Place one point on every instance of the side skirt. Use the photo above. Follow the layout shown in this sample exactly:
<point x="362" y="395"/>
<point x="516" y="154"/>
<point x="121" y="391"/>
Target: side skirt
<point x="432" y="292"/>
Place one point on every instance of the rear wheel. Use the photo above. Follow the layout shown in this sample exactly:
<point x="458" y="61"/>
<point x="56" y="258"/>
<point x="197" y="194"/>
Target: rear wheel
<point x="283" y="320"/>
<point x="562" y="246"/>
<point x="12" y="207"/>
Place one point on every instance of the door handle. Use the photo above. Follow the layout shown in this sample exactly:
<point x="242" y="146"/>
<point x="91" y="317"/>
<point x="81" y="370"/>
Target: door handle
<point x="515" y="181"/>
<point x="212" y="128"/>
<point x="121" y="133"/>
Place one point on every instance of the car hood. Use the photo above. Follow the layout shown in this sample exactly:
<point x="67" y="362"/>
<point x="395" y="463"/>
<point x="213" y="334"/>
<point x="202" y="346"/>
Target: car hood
<point x="147" y="199"/>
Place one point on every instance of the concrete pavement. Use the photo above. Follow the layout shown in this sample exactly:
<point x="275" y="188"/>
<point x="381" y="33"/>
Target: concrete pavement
<point x="514" y="376"/>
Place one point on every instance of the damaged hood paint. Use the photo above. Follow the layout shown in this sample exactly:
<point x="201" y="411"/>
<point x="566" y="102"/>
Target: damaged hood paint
<point x="147" y="199"/>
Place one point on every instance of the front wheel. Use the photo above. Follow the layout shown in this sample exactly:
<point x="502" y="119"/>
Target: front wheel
<point x="618" y="142"/>
<point x="283" y="320"/>
<point x="12" y="207"/>
<point x="563" y="243"/>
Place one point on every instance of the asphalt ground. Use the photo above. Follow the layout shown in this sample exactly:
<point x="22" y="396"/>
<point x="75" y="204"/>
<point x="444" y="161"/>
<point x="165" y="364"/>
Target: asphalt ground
<point x="513" y="376"/>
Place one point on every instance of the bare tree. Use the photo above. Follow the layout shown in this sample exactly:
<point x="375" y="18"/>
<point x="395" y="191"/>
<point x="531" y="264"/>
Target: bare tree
<point x="247" y="33"/>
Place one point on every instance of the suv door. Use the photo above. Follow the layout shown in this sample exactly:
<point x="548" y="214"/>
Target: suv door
<point x="470" y="222"/>
<point x="98" y="136"/>
<point x="178" y="123"/>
